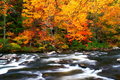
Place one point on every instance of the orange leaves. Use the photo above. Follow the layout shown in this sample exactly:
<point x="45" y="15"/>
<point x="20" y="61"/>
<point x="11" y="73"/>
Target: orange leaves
<point x="28" y="22"/>
<point x="85" y="25"/>
<point x="28" y="33"/>
<point x="79" y="35"/>
<point x="44" y="36"/>
<point x="78" y="32"/>
<point x="111" y="15"/>
<point x="25" y="37"/>
<point x="64" y="14"/>
<point x="1" y="45"/>
<point x="1" y="2"/>
<point x="4" y="7"/>
<point x="84" y="33"/>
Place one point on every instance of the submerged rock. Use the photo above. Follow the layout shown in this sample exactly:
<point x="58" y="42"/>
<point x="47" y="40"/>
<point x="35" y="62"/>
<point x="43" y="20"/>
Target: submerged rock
<point x="3" y="61"/>
<point x="65" y="61"/>
<point x="83" y="65"/>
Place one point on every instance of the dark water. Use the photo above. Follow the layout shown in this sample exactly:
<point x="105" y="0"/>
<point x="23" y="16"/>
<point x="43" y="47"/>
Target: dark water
<point x="76" y="66"/>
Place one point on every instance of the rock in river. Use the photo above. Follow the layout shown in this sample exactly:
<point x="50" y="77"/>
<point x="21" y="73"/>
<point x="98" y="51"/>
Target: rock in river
<point x="118" y="59"/>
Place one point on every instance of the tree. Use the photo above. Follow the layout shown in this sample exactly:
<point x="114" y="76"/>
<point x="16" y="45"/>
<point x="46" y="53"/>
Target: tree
<point x="66" y="15"/>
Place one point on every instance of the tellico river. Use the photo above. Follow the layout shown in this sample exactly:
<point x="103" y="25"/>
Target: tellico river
<point x="76" y="66"/>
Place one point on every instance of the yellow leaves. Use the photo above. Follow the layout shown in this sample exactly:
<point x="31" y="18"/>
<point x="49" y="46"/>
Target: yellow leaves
<point x="64" y="46"/>
<point x="57" y="36"/>
<point x="58" y="19"/>
<point x="25" y="10"/>
<point x="111" y="17"/>
<point x="97" y="6"/>
<point x="9" y="33"/>
<point x="32" y="10"/>
<point x="117" y="37"/>
<point x="42" y="48"/>
<point x="70" y="8"/>
<point x="15" y="46"/>
<point x="37" y="15"/>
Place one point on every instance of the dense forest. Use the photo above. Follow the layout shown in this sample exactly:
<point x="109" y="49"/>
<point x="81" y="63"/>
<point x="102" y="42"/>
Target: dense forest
<point x="45" y="25"/>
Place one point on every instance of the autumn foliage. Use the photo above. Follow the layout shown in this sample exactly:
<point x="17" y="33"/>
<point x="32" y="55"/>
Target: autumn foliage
<point x="57" y="23"/>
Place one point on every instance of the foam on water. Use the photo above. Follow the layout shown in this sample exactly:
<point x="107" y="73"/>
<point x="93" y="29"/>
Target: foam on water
<point x="67" y="68"/>
<point x="76" y="58"/>
<point x="116" y="66"/>
<point x="38" y="73"/>
<point x="16" y="64"/>
<point x="87" y="73"/>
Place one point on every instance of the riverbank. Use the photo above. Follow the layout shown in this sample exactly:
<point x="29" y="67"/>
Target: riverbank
<point x="63" y="51"/>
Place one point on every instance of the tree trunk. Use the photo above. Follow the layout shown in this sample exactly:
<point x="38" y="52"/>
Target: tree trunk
<point x="4" y="23"/>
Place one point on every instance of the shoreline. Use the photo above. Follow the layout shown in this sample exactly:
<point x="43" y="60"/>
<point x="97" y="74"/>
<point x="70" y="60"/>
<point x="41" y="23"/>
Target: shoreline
<point x="64" y="51"/>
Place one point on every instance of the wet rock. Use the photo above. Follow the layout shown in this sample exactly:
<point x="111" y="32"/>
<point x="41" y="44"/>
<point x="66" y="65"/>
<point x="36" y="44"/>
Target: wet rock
<point x="96" y="53"/>
<point x="65" y="51"/>
<point x="59" y="51"/>
<point x="52" y="52"/>
<point x="83" y="65"/>
<point x="118" y="59"/>
<point x="1" y="55"/>
<point x="86" y="53"/>
<point x="26" y="62"/>
<point x="98" y="79"/>
<point x="116" y="48"/>
<point x="9" y="57"/>
<point x="65" y="61"/>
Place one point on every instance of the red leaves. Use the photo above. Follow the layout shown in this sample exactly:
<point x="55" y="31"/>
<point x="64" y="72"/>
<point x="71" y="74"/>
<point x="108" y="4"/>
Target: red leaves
<point x="42" y="33"/>
<point x="84" y="24"/>
<point x="1" y="2"/>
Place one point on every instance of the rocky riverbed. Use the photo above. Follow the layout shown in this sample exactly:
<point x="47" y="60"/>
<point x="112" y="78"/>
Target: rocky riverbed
<point x="85" y="65"/>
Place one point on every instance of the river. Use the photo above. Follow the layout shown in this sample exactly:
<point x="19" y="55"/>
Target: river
<point x="92" y="65"/>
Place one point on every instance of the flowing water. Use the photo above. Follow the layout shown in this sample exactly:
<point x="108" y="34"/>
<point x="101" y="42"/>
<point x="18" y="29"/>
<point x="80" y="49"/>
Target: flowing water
<point x="76" y="66"/>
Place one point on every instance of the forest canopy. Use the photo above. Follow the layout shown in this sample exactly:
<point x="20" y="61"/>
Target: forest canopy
<point x="38" y="25"/>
